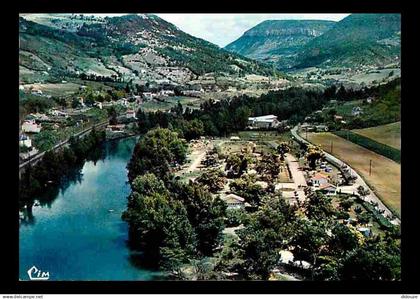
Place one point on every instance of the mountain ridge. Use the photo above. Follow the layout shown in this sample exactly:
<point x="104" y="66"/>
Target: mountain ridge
<point x="358" y="39"/>
<point x="140" y="47"/>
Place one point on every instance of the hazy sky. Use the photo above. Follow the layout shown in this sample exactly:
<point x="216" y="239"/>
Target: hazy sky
<point x="221" y="29"/>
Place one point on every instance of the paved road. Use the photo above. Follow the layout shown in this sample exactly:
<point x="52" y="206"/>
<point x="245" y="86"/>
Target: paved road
<point x="372" y="197"/>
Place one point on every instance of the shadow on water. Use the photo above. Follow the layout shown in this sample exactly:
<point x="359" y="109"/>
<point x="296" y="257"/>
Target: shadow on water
<point x="26" y="216"/>
<point x="51" y="191"/>
<point x="122" y="150"/>
<point x="112" y="148"/>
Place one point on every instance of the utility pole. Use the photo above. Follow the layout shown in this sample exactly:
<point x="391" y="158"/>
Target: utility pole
<point x="370" y="167"/>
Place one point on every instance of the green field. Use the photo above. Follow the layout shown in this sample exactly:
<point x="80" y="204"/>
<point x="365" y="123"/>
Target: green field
<point x="370" y="144"/>
<point x="168" y="103"/>
<point x="344" y="109"/>
<point x="389" y="134"/>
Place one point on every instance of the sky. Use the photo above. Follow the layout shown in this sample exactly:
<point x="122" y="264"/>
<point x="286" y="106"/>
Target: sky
<point x="222" y="29"/>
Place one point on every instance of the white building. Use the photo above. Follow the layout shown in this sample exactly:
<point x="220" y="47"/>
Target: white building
<point x="318" y="180"/>
<point x="30" y="126"/>
<point x="130" y="114"/>
<point x="25" y="141"/>
<point x="263" y="122"/>
<point x="234" y="201"/>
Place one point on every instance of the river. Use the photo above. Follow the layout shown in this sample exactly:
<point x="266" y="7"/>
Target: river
<point x="78" y="234"/>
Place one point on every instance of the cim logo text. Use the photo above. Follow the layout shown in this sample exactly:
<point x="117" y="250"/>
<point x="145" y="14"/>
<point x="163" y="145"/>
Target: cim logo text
<point x="36" y="274"/>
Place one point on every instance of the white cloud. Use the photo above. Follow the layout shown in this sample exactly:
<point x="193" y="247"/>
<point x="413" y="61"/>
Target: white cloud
<point x="221" y="29"/>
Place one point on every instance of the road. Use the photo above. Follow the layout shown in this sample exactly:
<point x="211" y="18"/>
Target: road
<point x="299" y="181"/>
<point x="372" y="197"/>
<point x="57" y="146"/>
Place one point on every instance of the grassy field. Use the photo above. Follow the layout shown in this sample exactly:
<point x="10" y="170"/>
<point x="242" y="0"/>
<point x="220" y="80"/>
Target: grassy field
<point x="345" y="108"/>
<point x="377" y="147"/>
<point x="154" y="105"/>
<point x="389" y="134"/>
<point x="386" y="174"/>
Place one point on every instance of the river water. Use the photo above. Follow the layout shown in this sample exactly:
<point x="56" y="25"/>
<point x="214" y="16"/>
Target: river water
<point x="78" y="234"/>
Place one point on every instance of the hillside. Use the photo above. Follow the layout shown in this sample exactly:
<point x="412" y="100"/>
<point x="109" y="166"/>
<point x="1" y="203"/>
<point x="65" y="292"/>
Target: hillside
<point x="141" y="48"/>
<point x="278" y="41"/>
<point x="359" y="39"/>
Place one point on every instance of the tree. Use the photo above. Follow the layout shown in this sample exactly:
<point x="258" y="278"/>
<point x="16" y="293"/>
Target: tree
<point x="377" y="260"/>
<point x="283" y="149"/>
<point x="158" y="225"/>
<point x="237" y="164"/>
<point x="155" y="152"/>
<point x="112" y="114"/>
<point x="262" y="237"/>
<point x="204" y="213"/>
<point x="363" y="218"/>
<point x="313" y="154"/>
<point x="213" y="179"/>
<point x="193" y="129"/>
<point x="268" y="166"/>
<point x="346" y="203"/>
<point x="318" y="206"/>
<point x="362" y="191"/>
<point x="343" y="239"/>
<point x="248" y="189"/>
<point x="309" y="239"/>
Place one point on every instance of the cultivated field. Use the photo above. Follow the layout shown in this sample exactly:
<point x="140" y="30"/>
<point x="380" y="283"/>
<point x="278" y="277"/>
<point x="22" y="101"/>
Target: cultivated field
<point x="386" y="174"/>
<point x="389" y="134"/>
<point x="169" y="102"/>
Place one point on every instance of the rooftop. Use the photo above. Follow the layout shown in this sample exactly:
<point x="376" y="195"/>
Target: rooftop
<point x="270" y="117"/>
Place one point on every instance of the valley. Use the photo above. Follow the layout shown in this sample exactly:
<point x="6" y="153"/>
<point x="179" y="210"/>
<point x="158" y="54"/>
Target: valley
<point x="167" y="157"/>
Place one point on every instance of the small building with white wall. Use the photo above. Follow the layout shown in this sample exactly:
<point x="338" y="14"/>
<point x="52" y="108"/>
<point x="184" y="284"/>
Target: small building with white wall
<point x="263" y="122"/>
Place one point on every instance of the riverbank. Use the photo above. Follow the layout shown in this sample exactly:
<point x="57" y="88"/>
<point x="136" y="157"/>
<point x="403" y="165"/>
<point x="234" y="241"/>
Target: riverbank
<point x="78" y="234"/>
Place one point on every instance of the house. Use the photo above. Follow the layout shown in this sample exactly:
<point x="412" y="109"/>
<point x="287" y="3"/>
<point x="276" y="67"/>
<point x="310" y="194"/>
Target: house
<point x="328" y="189"/>
<point x="318" y="179"/>
<point x="338" y="117"/>
<point x="55" y="112"/>
<point x="116" y="128"/>
<point x="36" y="92"/>
<point x="123" y="102"/>
<point x="31" y="126"/>
<point x="25" y="141"/>
<point x="98" y="104"/>
<point x="263" y="122"/>
<point x="130" y="113"/>
<point x="234" y="201"/>
<point x="148" y="95"/>
<point x="235" y="138"/>
<point x="321" y="128"/>
<point x="356" y="111"/>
